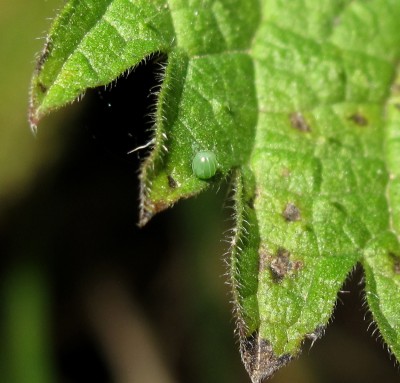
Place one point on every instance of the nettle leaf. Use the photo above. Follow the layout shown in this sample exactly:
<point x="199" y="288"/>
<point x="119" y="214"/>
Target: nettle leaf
<point x="298" y="102"/>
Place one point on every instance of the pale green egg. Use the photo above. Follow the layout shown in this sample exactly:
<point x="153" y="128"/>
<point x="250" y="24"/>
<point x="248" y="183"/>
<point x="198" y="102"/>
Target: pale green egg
<point x="204" y="165"/>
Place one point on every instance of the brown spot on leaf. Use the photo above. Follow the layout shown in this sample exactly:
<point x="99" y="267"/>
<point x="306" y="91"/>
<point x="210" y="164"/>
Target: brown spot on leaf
<point x="291" y="213"/>
<point x="396" y="262"/>
<point x="296" y="265"/>
<point x="285" y="172"/>
<point x="281" y="265"/>
<point x="44" y="55"/>
<point x="259" y="359"/>
<point x="298" y="122"/>
<point x="171" y="182"/>
<point x="42" y="87"/>
<point x="359" y="119"/>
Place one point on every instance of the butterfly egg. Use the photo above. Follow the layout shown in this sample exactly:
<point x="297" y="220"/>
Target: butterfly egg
<point x="204" y="165"/>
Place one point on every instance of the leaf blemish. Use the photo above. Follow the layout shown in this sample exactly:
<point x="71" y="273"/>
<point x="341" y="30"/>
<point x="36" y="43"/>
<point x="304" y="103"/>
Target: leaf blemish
<point x="171" y="182"/>
<point x="298" y="122"/>
<point x="285" y="172"/>
<point x="359" y="119"/>
<point x="42" y="87"/>
<point x="259" y="358"/>
<point x="291" y="213"/>
<point x="44" y="55"/>
<point x="281" y="265"/>
<point x="396" y="263"/>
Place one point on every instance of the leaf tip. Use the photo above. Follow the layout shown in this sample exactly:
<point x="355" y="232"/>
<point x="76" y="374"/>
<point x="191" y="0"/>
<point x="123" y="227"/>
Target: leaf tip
<point x="149" y="208"/>
<point x="259" y="359"/>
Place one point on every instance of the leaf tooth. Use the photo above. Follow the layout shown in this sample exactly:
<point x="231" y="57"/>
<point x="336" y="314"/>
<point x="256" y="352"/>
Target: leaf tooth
<point x="259" y="358"/>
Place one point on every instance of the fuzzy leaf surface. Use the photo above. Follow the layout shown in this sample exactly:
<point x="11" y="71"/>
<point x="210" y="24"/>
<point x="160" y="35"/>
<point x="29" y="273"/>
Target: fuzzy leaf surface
<point x="300" y="102"/>
<point x="325" y="166"/>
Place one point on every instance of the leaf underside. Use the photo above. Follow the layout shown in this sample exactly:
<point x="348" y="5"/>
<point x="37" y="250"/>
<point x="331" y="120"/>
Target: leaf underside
<point x="300" y="102"/>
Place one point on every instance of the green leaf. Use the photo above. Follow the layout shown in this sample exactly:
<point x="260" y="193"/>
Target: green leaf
<point x="382" y="255"/>
<point x="300" y="102"/>
<point x="91" y="43"/>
